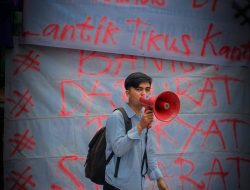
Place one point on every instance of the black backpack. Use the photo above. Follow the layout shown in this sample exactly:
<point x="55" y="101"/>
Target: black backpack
<point x="96" y="160"/>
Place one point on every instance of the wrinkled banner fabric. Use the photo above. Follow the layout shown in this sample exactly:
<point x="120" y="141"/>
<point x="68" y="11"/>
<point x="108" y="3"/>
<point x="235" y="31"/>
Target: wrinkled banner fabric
<point x="59" y="93"/>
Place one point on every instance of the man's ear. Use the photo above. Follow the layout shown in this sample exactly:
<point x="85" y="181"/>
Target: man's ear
<point x="127" y="93"/>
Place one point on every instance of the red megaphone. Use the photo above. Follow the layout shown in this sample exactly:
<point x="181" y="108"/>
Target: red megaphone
<point x="165" y="106"/>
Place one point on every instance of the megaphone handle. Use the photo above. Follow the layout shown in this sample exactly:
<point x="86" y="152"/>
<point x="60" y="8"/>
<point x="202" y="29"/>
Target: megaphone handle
<point x="148" y="108"/>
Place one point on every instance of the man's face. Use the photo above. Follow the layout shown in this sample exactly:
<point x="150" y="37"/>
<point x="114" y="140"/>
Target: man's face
<point x="134" y="94"/>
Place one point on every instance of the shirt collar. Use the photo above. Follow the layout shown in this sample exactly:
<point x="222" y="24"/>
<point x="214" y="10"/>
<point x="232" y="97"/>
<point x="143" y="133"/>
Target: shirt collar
<point x="129" y="110"/>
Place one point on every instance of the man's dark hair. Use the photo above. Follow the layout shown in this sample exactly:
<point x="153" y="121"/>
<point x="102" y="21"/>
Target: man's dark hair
<point x="135" y="79"/>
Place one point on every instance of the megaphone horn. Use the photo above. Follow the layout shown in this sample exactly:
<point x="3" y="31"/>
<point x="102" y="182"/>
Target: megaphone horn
<point x="165" y="106"/>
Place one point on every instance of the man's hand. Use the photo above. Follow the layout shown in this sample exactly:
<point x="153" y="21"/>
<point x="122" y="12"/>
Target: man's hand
<point x="146" y="120"/>
<point x="161" y="184"/>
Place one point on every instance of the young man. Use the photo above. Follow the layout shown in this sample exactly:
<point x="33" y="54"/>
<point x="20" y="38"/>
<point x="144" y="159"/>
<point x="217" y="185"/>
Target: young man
<point x="131" y="146"/>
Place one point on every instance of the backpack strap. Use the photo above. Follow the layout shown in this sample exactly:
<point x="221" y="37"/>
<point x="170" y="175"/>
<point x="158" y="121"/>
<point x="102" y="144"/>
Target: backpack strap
<point x="127" y="120"/>
<point x="109" y="158"/>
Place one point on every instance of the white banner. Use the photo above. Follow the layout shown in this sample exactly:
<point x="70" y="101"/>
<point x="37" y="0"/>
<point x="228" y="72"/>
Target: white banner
<point x="56" y="99"/>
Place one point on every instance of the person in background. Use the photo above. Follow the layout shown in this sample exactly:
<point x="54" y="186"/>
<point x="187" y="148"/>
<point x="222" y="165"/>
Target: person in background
<point x="133" y="145"/>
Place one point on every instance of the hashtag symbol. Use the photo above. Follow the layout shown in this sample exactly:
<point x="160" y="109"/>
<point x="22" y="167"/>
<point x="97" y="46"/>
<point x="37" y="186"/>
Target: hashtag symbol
<point x="21" y="142"/>
<point x="21" y="180"/>
<point x="26" y="61"/>
<point x="20" y="105"/>
<point x="242" y="12"/>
